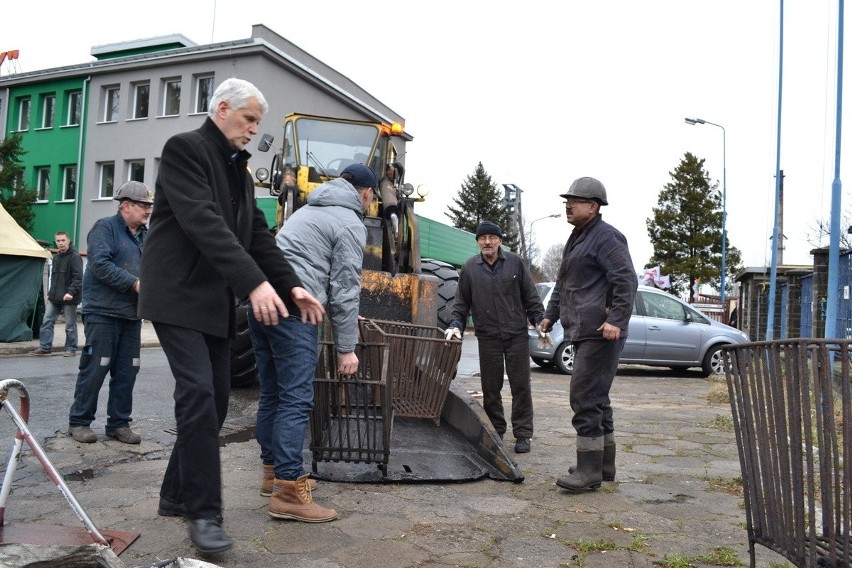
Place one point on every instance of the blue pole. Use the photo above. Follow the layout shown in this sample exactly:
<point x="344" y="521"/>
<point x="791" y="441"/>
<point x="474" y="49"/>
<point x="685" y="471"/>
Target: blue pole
<point x="773" y="275"/>
<point x="831" y="330"/>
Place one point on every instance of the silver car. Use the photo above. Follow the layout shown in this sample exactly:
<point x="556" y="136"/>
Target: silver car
<point x="664" y="332"/>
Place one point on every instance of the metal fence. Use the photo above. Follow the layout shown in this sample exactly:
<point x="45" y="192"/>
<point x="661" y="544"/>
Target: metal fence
<point x="791" y="402"/>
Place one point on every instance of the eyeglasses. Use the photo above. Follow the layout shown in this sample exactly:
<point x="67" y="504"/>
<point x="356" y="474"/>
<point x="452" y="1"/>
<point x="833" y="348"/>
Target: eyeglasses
<point x="145" y="206"/>
<point x="572" y="201"/>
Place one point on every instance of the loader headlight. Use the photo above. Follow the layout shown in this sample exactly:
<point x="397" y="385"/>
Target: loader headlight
<point x="262" y="174"/>
<point x="422" y="190"/>
<point x="407" y="189"/>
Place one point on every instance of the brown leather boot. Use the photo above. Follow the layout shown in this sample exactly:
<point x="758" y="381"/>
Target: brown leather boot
<point x="293" y="500"/>
<point x="269" y="476"/>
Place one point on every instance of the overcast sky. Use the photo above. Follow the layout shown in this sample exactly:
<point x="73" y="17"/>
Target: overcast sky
<point x="544" y="92"/>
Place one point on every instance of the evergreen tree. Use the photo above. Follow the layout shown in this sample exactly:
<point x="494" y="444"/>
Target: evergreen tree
<point x="479" y="199"/>
<point x="16" y="199"/>
<point x="686" y="229"/>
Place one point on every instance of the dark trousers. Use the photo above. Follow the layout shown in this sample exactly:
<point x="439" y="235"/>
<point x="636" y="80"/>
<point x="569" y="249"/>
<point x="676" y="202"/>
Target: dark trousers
<point x="595" y="363"/>
<point x="201" y="368"/>
<point x="513" y="357"/>
<point x="112" y="347"/>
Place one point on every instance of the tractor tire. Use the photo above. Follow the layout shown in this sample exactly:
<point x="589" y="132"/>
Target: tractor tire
<point x="449" y="281"/>
<point x="243" y="370"/>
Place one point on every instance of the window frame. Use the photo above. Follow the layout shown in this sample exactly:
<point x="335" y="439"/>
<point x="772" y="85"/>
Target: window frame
<point x="42" y="184"/>
<point x="48" y="100"/>
<point x="24" y="118"/>
<point x="111" y="106"/>
<point x="198" y="91"/>
<point x="106" y="192"/>
<point x="75" y="107"/>
<point x="66" y="170"/>
<point x="129" y="166"/>
<point x="167" y="89"/>
<point x="136" y="89"/>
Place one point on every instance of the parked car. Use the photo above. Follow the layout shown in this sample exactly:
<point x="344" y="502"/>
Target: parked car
<point x="664" y="331"/>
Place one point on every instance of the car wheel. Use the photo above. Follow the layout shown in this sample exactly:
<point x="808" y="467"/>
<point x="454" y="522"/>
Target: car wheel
<point x="713" y="363"/>
<point x="564" y="358"/>
<point x="543" y="363"/>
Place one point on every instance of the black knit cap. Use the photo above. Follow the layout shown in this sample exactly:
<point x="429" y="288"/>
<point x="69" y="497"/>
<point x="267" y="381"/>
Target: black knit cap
<point x="488" y="228"/>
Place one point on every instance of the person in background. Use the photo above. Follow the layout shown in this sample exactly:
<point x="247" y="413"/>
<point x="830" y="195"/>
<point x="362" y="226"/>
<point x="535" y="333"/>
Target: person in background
<point x="324" y="243"/>
<point x="113" y="329"/>
<point x="593" y="299"/>
<point x="63" y="296"/>
<point x="387" y="191"/>
<point x="496" y="288"/>
<point x="209" y="245"/>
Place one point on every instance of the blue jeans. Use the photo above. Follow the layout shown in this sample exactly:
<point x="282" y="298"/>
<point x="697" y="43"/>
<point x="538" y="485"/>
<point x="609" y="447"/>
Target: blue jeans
<point x="286" y="357"/>
<point x="51" y="312"/>
<point x="112" y="346"/>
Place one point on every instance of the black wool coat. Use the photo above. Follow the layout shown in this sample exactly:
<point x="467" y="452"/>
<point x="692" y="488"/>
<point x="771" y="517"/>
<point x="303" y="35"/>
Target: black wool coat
<point x="208" y="242"/>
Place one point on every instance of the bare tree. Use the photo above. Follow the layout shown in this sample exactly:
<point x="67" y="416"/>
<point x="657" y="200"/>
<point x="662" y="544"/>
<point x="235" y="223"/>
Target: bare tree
<point x="818" y="234"/>
<point x="550" y="262"/>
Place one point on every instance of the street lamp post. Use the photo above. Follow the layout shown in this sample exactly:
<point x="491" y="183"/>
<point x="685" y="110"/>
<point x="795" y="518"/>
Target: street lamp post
<point x="695" y="121"/>
<point x="529" y="249"/>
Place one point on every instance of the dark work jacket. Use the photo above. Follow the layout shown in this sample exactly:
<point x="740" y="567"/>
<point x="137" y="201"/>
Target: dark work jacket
<point x="208" y="242"/>
<point x="114" y="260"/>
<point x="502" y="301"/>
<point x="596" y="283"/>
<point x="66" y="277"/>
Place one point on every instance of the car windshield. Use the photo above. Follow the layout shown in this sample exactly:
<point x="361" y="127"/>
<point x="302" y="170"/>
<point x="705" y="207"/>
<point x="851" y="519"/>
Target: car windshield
<point x="543" y="288"/>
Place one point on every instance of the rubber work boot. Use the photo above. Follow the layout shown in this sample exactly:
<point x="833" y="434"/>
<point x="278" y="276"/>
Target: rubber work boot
<point x="293" y="500"/>
<point x="269" y="477"/>
<point x="608" y="469"/>
<point x="588" y="475"/>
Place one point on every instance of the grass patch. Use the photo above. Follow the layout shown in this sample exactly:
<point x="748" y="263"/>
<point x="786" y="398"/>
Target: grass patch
<point x="719" y="394"/>
<point x="675" y="561"/>
<point x="733" y="486"/>
<point x="724" y="423"/>
<point x="722" y="556"/>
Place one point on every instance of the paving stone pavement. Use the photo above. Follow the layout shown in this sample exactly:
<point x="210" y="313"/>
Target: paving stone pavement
<point x="675" y="494"/>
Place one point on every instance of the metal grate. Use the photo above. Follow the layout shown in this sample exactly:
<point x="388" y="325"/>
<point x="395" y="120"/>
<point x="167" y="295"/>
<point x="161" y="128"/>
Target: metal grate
<point x="791" y="402"/>
<point x="352" y="418"/>
<point x="422" y="364"/>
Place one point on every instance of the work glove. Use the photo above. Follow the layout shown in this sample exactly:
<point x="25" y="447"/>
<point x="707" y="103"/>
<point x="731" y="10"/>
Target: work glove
<point x="452" y="333"/>
<point x="544" y="340"/>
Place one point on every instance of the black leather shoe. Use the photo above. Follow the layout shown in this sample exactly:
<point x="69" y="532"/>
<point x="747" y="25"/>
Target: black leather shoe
<point x="208" y="537"/>
<point x="169" y="509"/>
<point x="522" y="445"/>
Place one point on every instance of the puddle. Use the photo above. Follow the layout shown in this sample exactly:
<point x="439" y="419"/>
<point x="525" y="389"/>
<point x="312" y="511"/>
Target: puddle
<point x="80" y="475"/>
<point x="234" y="437"/>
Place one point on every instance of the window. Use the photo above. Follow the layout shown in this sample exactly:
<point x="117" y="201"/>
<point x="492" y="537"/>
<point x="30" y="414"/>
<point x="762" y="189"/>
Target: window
<point x="43" y="184"/>
<point x="75" y="107"/>
<point x="141" y="95"/>
<point x="18" y="181"/>
<point x="24" y="114"/>
<point x="171" y="98"/>
<point x="111" y="101"/>
<point x="48" y="111"/>
<point x="136" y="170"/>
<point x="69" y="183"/>
<point x="203" y="92"/>
<point x="107" y="179"/>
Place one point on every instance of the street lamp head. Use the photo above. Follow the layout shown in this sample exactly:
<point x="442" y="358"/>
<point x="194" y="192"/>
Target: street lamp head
<point x="694" y="121"/>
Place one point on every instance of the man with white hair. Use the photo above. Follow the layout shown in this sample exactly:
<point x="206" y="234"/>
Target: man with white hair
<point x="209" y="245"/>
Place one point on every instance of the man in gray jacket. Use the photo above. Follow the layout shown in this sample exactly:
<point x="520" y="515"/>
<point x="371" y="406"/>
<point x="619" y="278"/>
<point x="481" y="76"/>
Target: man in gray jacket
<point x="324" y="243"/>
<point x="496" y="288"/>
